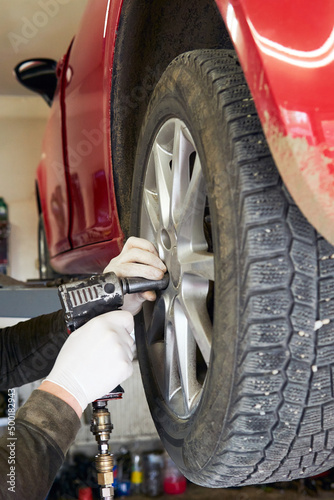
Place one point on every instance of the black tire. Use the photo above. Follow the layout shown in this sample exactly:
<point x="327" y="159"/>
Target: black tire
<point x="46" y="272"/>
<point x="265" y="410"/>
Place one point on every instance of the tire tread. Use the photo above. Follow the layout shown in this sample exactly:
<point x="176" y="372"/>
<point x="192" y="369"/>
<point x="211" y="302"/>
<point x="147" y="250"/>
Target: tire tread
<point x="292" y="409"/>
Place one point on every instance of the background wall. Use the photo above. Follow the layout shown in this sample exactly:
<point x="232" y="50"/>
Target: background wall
<point x="28" y="29"/>
<point x="22" y="122"/>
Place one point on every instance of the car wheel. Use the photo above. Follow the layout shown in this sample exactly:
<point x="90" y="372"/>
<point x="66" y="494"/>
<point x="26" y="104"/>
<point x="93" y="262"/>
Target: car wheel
<point x="235" y="354"/>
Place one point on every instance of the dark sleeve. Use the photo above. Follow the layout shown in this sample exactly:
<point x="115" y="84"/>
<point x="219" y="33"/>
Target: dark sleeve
<point x="29" y="349"/>
<point x="32" y="453"/>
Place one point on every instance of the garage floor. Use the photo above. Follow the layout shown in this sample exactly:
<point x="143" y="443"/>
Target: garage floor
<point x="291" y="491"/>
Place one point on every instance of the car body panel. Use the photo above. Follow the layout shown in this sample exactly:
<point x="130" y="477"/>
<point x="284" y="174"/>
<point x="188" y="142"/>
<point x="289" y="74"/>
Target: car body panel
<point x="51" y="178"/>
<point x="82" y="183"/>
<point x="94" y="216"/>
<point x="286" y="51"/>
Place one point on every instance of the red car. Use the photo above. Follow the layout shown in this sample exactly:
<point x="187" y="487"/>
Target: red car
<point x="207" y="127"/>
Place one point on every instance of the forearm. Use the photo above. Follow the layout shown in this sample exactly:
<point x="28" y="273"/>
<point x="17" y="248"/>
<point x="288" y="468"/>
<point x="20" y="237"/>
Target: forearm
<point x="28" y="350"/>
<point x="32" y="453"/>
<point x="63" y="394"/>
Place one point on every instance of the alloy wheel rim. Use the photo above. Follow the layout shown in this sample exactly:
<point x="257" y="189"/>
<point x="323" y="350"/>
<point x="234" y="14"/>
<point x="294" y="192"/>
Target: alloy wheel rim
<point x="175" y="217"/>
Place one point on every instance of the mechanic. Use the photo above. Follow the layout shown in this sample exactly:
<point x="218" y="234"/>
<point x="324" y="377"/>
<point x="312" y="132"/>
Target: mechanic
<point x="39" y="436"/>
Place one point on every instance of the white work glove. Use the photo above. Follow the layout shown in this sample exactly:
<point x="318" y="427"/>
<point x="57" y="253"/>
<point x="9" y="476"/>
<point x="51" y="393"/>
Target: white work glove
<point x="139" y="258"/>
<point x="96" y="358"/>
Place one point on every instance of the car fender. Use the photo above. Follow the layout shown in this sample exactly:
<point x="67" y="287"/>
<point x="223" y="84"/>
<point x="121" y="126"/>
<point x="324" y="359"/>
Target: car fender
<point x="286" y="50"/>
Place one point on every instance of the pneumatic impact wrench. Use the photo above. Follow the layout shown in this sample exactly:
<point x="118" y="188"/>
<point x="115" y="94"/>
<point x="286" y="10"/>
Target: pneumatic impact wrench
<point x="82" y="300"/>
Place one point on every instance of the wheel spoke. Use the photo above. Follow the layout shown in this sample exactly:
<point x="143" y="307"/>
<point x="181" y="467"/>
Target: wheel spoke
<point x="193" y="305"/>
<point x="162" y="341"/>
<point x="186" y="356"/>
<point x="172" y="379"/>
<point x="190" y="226"/>
<point x="163" y="179"/>
<point x="199" y="264"/>
<point x="182" y="150"/>
<point x="150" y="219"/>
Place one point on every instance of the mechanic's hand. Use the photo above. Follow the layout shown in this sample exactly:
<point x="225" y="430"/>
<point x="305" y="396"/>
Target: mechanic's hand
<point x="95" y="358"/>
<point x="139" y="258"/>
